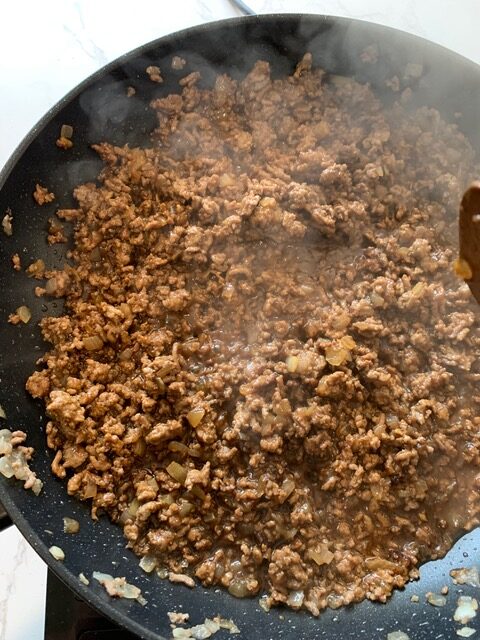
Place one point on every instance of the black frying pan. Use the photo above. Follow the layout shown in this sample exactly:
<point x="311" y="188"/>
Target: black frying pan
<point x="99" y="110"/>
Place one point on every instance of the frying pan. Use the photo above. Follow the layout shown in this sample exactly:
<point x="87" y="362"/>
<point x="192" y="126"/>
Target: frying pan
<point x="98" y="109"/>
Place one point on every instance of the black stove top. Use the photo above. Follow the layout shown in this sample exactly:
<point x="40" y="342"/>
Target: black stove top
<point x="68" y="618"/>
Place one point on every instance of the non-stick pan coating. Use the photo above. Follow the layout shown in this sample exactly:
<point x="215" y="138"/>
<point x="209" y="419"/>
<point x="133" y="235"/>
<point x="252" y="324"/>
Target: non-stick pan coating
<point x="99" y="110"/>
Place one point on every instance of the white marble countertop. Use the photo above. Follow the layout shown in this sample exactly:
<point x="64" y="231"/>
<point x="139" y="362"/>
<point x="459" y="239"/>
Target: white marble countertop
<point x="48" y="47"/>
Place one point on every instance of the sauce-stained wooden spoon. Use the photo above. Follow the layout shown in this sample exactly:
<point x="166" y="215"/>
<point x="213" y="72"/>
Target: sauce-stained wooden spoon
<point x="467" y="265"/>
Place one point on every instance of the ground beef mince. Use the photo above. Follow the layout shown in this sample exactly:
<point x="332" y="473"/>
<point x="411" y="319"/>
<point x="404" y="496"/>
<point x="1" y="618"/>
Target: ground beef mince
<point x="267" y="371"/>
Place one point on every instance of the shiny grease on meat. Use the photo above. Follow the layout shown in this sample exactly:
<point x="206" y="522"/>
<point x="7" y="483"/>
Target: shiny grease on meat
<point x="266" y="371"/>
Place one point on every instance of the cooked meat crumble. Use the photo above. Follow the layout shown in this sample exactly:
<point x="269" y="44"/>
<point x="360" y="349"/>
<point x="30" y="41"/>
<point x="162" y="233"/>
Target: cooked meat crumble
<point x="267" y="370"/>
<point x="42" y="195"/>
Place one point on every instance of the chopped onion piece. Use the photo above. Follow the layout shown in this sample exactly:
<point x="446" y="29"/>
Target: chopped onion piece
<point x="227" y="624"/>
<point x="174" y="445"/>
<point x="322" y="555"/>
<point x="66" y="131"/>
<point x="295" y="599"/>
<point x="162" y="573"/>
<point x="119" y="587"/>
<point x="468" y="575"/>
<point x="198" y="492"/>
<point x="186" y="508"/>
<point x="83" y="579"/>
<point x="466" y="609"/>
<point x="264" y="603"/>
<point x="7" y="224"/>
<point x="238" y="588"/>
<point x="375" y="563"/>
<point x="2" y="413"/>
<point x="226" y="180"/>
<point x="465" y="632"/>
<point x="436" y="599"/>
<point x="6" y="467"/>
<point x="398" y="635"/>
<point x="292" y="363"/>
<point x="90" y="490"/>
<point x="336" y="356"/>
<point x="288" y="485"/>
<point x="304" y="364"/>
<point x="57" y="553"/>
<point x="195" y="416"/>
<point x="37" y="486"/>
<point x="70" y="525"/>
<point x="126" y="354"/>
<point x="5" y="442"/>
<point x="148" y="564"/>
<point x="152" y="483"/>
<point x="177" y="472"/>
<point x="24" y="314"/>
<point x="348" y="342"/>
<point x="418" y="289"/>
<point x="92" y="343"/>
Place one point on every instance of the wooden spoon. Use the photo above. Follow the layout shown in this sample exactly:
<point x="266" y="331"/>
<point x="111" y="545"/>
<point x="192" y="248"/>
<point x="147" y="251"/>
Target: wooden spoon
<point x="467" y="266"/>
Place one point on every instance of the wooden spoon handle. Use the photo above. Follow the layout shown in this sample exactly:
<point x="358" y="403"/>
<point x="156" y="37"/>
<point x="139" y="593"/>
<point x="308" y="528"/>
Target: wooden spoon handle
<point x="468" y="266"/>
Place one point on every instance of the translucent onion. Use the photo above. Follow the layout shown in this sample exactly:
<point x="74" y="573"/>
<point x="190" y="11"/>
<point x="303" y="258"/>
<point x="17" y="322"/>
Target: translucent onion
<point x="139" y="447"/>
<point x="375" y="564"/>
<point x="238" y="588"/>
<point x="174" y="445"/>
<point x="467" y="575"/>
<point x="66" y="131"/>
<point x="304" y="362"/>
<point x="5" y="442"/>
<point x="92" y="343"/>
<point x="2" y="413"/>
<point x="6" y="468"/>
<point x="177" y="472"/>
<point x="162" y="573"/>
<point x="418" y="289"/>
<point x="288" y="486"/>
<point x="376" y="299"/>
<point x="226" y="180"/>
<point x="435" y="599"/>
<point x="152" y="483"/>
<point x="195" y="416"/>
<point x="186" y="508"/>
<point x="292" y="363"/>
<point x="70" y="525"/>
<point x="126" y="354"/>
<point x="295" y="599"/>
<point x="51" y="286"/>
<point x="148" y="564"/>
<point x="348" y="342"/>
<point x="466" y="609"/>
<point x="336" y="356"/>
<point x="24" y="314"/>
<point x="321" y="555"/>
<point x="198" y="492"/>
<point x="57" y="553"/>
<point x="90" y="490"/>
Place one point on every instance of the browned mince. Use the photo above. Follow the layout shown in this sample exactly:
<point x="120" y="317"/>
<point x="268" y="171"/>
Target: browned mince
<point x="277" y="267"/>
